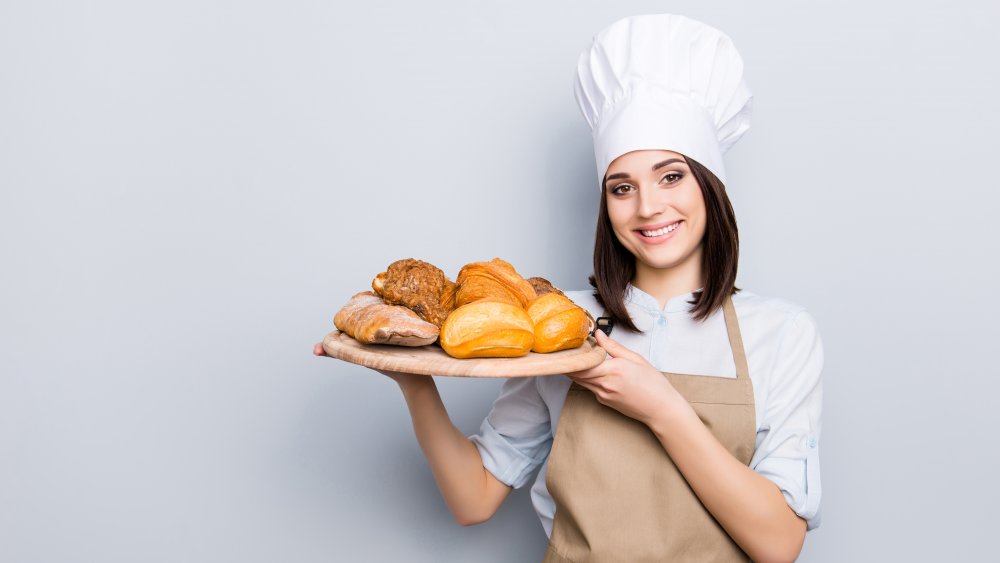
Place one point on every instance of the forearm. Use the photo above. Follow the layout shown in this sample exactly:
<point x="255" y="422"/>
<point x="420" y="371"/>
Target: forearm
<point x="471" y="493"/>
<point x="749" y="507"/>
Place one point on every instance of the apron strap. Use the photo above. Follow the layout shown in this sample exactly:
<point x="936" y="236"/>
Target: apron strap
<point x="735" y="339"/>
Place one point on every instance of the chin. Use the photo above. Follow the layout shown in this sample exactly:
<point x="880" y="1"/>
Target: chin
<point x="664" y="258"/>
<point x="661" y="263"/>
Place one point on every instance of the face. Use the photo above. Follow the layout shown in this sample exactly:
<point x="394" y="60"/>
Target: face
<point x="656" y="208"/>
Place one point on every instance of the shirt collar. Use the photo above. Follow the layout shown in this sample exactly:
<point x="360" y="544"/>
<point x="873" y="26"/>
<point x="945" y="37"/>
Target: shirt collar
<point x="649" y="304"/>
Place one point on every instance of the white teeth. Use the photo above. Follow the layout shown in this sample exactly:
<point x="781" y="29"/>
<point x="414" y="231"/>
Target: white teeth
<point x="662" y="231"/>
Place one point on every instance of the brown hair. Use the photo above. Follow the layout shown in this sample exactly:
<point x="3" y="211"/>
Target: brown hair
<point x="614" y="265"/>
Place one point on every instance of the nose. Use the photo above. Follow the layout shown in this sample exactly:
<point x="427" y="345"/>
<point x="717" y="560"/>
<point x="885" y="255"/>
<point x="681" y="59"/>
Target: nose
<point x="650" y="202"/>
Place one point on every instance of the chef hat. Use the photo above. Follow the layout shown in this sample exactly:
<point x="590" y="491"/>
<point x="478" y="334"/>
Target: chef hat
<point x="666" y="82"/>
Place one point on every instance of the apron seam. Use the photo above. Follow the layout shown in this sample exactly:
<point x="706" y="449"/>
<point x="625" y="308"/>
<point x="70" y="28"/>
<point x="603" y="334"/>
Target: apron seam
<point x="557" y="552"/>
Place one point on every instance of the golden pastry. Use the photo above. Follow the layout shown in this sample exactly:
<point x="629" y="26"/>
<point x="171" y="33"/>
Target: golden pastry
<point x="487" y="329"/>
<point x="496" y="280"/>
<point x="559" y="324"/>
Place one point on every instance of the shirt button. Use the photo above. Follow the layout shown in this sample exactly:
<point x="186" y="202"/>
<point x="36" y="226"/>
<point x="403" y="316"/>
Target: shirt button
<point x="812" y="442"/>
<point x="661" y="321"/>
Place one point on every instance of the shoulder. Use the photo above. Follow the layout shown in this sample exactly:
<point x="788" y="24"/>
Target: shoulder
<point x="764" y="304"/>
<point x="779" y="329"/>
<point x="770" y="311"/>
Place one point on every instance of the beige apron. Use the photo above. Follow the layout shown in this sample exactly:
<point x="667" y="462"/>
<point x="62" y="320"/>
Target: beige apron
<point x="619" y="496"/>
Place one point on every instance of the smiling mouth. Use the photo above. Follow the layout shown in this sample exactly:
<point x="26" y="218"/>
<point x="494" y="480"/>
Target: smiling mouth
<point x="659" y="232"/>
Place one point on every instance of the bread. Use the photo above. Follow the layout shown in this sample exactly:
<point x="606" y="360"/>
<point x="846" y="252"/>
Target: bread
<point x="487" y="329"/>
<point x="490" y="311"/>
<point x="370" y="320"/>
<point x="543" y="286"/>
<point x="419" y="286"/>
<point x="496" y="280"/>
<point x="559" y="324"/>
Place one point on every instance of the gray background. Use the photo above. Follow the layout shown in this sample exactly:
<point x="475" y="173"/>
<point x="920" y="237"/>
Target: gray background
<point x="190" y="190"/>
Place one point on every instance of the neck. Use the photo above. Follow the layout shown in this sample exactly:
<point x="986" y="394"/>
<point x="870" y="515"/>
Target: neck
<point x="666" y="283"/>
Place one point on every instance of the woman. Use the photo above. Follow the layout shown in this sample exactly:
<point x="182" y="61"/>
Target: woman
<point x="697" y="440"/>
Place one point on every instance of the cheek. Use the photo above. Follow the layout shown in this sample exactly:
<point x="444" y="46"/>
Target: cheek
<point x="699" y="219"/>
<point x="693" y="205"/>
<point x="618" y="213"/>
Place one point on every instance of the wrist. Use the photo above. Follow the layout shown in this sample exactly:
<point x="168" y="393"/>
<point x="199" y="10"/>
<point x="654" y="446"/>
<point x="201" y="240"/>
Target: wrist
<point x="676" y="414"/>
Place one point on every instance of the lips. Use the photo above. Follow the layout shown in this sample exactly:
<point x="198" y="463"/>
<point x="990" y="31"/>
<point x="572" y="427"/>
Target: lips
<point x="656" y="226"/>
<point x="660" y="237"/>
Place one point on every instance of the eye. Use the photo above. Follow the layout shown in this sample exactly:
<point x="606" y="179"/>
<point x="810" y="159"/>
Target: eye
<point x="672" y="177"/>
<point x="615" y="190"/>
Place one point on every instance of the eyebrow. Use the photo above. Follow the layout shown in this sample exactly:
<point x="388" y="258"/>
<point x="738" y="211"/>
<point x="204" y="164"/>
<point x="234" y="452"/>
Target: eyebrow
<point x="656" y="166"/>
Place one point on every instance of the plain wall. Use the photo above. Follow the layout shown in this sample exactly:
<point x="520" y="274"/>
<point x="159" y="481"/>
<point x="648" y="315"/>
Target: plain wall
<point x="190" y="190"/>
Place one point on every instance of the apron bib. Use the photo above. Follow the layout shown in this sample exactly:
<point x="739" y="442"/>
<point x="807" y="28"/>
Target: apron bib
<point x="619" y="496"/>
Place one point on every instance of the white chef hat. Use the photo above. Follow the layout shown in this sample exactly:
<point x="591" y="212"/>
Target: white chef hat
<point x="663" y="81"/>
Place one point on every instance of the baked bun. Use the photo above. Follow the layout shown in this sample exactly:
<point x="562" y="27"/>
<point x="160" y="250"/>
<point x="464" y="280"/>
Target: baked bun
<point x="370" y="320"/>
<point x="496" y="280"/>
<point x="487" y="329"/>
<point x="419" y="286"/>
<point x="543" y="286"/>
<point x="559" y="324"/>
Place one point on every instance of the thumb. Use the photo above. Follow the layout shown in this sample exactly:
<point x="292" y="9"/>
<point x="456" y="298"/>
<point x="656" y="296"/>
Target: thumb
<point x="616" y="349"/>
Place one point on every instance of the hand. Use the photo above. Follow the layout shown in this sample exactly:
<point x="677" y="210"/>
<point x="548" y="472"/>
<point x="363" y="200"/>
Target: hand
<point x="405" y="380"/>
<point x="627" y="383"/>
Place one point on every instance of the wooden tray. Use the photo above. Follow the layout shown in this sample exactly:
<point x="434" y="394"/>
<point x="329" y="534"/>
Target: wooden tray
<point x="432" y="360"/>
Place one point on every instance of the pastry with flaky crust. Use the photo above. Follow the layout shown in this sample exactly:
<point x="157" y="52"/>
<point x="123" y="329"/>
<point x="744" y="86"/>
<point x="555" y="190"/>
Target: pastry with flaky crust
<point x="370" y="320"/>
<point x="490" y="311"/>
<point x="418" y="285"/>
<point x="496" y="280"/>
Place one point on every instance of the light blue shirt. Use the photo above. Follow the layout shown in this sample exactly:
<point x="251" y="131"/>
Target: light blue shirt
<point x="785" y="358"/>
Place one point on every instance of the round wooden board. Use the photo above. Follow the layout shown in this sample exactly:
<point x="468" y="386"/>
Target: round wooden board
<point x="432" y="360"/>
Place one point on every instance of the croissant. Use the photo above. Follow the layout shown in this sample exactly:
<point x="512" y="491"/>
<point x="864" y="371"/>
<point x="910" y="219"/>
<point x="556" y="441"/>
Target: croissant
<point x="559" y="324"/>
<point x="487" y="329"/>
<point x="496" y="280"/>
<point x="369" y="319"/>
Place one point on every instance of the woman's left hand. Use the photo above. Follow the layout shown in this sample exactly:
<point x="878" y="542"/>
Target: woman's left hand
<point x="628" y="383"/>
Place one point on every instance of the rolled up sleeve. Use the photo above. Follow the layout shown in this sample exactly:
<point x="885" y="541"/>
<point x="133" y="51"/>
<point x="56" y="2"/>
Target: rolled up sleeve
<point x="789" y="437"/>
<point x="515" y="437"/>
